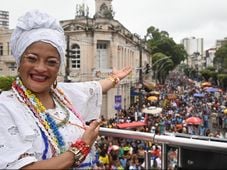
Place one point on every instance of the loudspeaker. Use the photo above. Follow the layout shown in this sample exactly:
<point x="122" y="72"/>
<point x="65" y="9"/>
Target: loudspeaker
<point x="192" y="158"/>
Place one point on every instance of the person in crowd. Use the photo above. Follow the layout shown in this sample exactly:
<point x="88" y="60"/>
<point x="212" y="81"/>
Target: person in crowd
<point x="42" y="121"/>
<point x="134" y="163"/>
<point x="104" y="157"/>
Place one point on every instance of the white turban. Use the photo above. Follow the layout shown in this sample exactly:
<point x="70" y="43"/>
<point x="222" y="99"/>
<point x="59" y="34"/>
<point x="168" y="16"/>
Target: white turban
<point x="37" y="26"/>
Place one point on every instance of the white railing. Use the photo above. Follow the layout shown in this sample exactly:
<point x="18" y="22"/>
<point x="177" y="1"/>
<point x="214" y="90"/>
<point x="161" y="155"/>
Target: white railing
<point x="170" y="140"/>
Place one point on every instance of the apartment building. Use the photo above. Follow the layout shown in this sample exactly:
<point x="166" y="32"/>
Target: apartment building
<point x="4" y="19"/>
<point x="194" y="49"/>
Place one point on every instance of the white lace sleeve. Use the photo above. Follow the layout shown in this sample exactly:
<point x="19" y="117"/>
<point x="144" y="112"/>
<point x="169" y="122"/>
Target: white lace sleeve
<point x="86" y="98"/>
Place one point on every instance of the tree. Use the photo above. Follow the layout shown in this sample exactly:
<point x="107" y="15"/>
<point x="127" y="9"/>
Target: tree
<point x="164" y="69"/>
<point x="209" y="73"/>
<point x="206" y="74"/>
<point x="220" y="59"/>
<point x="161" y="66"/>
<point x="159" y="43"/>
<point x="223" y="80"/>
<point x="220" y="63"/>
<point x="6" y="82"/>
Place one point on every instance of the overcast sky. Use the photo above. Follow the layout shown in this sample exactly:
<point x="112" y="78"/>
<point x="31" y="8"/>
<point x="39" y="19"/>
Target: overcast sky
<point x="180" y="18"/>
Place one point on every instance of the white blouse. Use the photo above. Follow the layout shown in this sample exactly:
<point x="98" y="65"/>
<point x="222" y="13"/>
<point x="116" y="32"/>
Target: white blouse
<point x="21" y="142"/>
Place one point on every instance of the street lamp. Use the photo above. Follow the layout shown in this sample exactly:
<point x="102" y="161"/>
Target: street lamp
<point x="141" y="47"/>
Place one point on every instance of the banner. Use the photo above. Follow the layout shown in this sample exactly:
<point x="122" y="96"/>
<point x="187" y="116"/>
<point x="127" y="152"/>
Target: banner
<point x="117" y="105"/>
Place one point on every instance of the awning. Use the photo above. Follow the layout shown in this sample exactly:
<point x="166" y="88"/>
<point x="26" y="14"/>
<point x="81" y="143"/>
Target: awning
<point x="131" y="125"/>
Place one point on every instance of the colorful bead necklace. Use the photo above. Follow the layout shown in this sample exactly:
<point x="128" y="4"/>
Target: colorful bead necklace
<point x="48" y="126"/>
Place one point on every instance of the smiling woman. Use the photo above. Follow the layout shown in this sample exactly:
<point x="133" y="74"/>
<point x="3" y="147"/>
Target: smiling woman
<point x="43" y="123"/>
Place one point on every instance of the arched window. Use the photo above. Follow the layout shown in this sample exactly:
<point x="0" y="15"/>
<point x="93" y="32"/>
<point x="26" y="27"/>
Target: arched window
<point x="75" y="56"/>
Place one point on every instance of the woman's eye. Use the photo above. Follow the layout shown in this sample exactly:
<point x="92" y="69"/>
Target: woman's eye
<point x="53" y="62"/>
<point x="31" y="58"/>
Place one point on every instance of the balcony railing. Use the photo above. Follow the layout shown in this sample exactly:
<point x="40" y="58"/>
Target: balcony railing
<point x="172" y="140"/>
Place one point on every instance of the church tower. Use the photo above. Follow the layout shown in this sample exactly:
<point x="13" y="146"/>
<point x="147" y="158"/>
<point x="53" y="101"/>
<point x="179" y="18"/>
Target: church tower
<point x="103" y="9"/>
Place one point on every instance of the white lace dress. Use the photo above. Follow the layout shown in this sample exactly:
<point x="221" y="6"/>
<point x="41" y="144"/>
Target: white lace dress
<point x="21" y="142"/>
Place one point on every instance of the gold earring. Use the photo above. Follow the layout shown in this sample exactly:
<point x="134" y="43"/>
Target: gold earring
<point x="18" y="70"/>
<point x="55" y="84"/>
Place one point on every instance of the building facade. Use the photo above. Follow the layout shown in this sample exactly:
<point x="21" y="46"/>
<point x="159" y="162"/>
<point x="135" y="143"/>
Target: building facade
<point x="7" y="62"/>
<point x="96" y="46"/>
<point x="210" y="54"/>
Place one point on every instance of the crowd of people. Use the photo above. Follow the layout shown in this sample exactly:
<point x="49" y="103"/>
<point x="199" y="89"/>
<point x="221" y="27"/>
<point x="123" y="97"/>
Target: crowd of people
<point x="180" y="98"/>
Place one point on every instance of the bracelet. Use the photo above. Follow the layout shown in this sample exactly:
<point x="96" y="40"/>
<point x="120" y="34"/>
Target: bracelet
<point x="78" y="156"/>
<point x="82" y="146"/>
<point x="80" y="150"/>
<point x="115" y="80"/>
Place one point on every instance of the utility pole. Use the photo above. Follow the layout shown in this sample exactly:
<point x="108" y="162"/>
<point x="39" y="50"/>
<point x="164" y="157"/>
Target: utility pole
<point x="66" y="79"/>
<point x="140" y="78"/>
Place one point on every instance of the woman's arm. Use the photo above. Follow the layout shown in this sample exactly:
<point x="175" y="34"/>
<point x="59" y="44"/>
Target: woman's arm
<point x="63" y="161"/>
<point x="114" y="78"/>
<point x="67" y="159"/>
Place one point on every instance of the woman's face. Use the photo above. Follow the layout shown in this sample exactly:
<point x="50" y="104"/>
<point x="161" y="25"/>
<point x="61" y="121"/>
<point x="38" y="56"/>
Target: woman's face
<point x="39" y="67"/>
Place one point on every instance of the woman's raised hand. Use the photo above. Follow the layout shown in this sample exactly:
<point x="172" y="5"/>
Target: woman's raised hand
<point x="122" y="73"/>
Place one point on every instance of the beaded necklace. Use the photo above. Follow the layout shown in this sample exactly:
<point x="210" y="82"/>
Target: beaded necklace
<point x="48" y="126"/>
<point x="67" y="114"/>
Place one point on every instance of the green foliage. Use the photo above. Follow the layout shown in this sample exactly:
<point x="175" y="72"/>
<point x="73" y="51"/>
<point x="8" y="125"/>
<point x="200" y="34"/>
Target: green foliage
<point x="157" y="57"/>
<point x="166" y="54"/>
<point x="160" y="42"/>
<point x="6" y="82"/>
<point x="164" y="69"/>
<point x="190" y="72"/>
<point x="161" y="66"/>
<point x="208" y="73"/>
<point x="220" y="60"/>
<point x="222" y="78"/>
<point x="210" y="68"/>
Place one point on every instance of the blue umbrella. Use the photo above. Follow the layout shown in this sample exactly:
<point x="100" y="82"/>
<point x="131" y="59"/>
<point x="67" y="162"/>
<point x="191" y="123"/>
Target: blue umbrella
<point x="198" y="95"/>
<point x="211" y="89"/>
